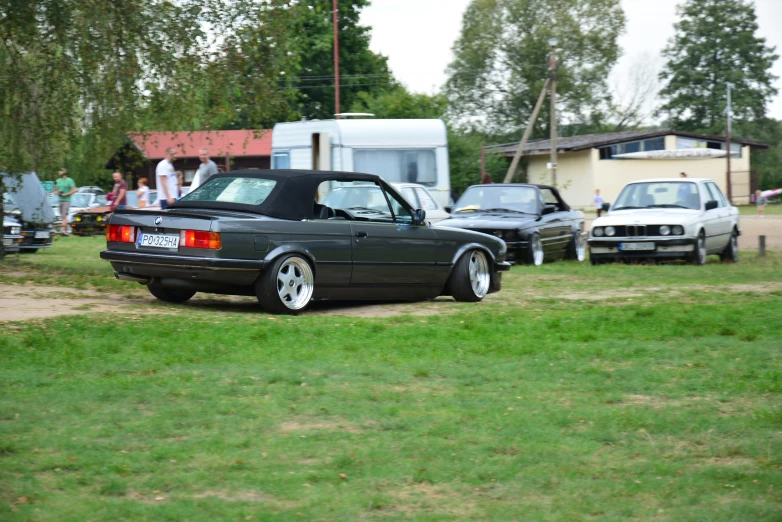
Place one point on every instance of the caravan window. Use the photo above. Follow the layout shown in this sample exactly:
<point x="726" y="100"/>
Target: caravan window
<point x="281" y="160"/>
<point x="398" y="166"/>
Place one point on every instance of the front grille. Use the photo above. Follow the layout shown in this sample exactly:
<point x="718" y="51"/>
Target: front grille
<point x="636" y="230"/>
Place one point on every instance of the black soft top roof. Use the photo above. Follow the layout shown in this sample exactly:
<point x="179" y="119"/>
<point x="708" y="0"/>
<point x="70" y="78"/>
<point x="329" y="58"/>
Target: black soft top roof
<point x="293" y="197"/>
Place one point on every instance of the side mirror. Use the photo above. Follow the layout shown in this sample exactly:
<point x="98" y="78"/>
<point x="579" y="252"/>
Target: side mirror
<point x="449" y="208"/>
<point x="549" y="209"/>
<point x="711" y="205"/>
<point x="419" y="216"/>
<point x="606" y="206"/>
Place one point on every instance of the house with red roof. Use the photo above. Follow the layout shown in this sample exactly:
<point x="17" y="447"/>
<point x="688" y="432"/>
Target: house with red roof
<point x="229" y="149"/>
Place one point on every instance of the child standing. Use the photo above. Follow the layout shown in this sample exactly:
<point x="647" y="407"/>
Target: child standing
<point x="598" y="202"/>
<point x="761" y="202"/>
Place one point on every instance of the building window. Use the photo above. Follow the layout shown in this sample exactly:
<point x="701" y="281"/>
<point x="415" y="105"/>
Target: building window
<point x="692" y="143"/>
<point x="610" y="151"/>
<point x="281" y="160"/>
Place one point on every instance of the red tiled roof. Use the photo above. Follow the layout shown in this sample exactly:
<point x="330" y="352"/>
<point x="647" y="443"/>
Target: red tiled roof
<point x="220" y="143"/>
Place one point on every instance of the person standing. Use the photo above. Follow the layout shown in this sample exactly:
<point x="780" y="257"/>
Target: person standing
<point x="761" y="203"/>
<point x="165" y="178"/>
<point x="143" y="193"/>
<point x="206" y="169"/>
<point x="119" y="192"/>
<point x="65" y="188"/>
<point x="598" y="202"/>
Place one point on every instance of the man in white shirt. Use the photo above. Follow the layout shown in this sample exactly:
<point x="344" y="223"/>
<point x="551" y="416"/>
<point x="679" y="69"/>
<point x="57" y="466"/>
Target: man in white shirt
<point x="206" y="169"/>
<point x="165" y="178"/>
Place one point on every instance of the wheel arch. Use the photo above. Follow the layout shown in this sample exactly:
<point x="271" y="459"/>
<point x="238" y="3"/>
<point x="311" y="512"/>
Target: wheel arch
<point x="291" y="249"/>
<point x="463" y="250"/>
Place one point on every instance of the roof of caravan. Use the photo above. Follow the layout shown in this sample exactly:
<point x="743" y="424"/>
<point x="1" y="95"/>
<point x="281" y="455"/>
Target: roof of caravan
<point x="372" y="132"/>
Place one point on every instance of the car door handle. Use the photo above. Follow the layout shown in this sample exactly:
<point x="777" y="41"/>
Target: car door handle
<point x="361" y="234"/>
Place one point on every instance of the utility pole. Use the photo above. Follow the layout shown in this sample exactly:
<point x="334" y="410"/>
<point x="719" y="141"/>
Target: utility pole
<point x="553" y="75"/>
<point x="336" y="63"/>
<point x="728" y="115"/>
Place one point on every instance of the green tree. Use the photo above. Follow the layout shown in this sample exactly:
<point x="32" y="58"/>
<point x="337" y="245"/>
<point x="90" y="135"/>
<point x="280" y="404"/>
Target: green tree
<point x="399" y="103"/>
<point x="716" y="43"/>
<point x="502" y="55"/>
<point x="312" y="45"/>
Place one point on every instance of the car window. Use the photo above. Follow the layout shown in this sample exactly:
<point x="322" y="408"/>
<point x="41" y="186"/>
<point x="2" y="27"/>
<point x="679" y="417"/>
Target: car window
<point x="401" y="213"/>
<point x="409" y="195"/>
<point x="81" y="200"/>
<point x="426" y="201"/>
<point x="673" y="194"/>
<point x="359" y="201"/>
<point x="716" y="194"/>
<point x="498" y="197"/>
<point x="246" y="191"/>
<point x="549" y="198"/>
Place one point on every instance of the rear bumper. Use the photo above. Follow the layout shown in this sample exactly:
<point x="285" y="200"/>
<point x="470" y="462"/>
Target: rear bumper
<point x="208" y="273"/>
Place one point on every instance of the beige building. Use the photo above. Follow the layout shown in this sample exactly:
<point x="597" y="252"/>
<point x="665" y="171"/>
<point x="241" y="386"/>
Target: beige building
<point x="609" y="161"/>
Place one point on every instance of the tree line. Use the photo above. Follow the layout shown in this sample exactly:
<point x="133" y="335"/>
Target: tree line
<point x="76" y="75"/>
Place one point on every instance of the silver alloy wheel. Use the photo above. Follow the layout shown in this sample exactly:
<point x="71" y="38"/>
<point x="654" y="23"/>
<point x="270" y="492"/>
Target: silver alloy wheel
<point x="480" y="277"/>
<point x="295" y="283"/>
<point x="701" y="250"/>
<point x="580" y="247"/>
<point x="734" y="244"/>
<point x="537" y="251"/>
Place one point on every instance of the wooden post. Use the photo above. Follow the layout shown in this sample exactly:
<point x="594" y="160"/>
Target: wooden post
<point x="534" y="116"/>
<point x="762" y="245"/>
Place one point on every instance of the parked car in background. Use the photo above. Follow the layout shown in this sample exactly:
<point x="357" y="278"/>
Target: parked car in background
<point x="687" y="218"/>
<point x="85" y="200"/>
<point x="92" y="190"/>
<point x="94" y="220"/>
<point x="533" y="220"/>
<point x="371" y="196"/>
<point x="12" y="235"/>
<point x="263" y="232"/>
<point x="25" y="200"/>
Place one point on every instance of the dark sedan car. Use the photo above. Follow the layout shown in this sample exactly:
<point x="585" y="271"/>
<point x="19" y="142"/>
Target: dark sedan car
<point x="533" y="220"/>
<point x="26" y="201"/>
<point x="263" y="233"/>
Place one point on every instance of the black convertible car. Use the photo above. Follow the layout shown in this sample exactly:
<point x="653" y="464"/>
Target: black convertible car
<point x="264" y="233"/>
<point x="533" y="220"/>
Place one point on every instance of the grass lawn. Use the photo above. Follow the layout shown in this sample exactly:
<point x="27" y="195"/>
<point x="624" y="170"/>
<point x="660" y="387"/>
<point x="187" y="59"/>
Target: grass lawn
<point x="578" y="393"/>
<point x="752" y="210"/>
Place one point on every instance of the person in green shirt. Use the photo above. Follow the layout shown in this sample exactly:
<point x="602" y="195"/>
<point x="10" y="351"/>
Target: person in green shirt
<point x="64" y="187"/>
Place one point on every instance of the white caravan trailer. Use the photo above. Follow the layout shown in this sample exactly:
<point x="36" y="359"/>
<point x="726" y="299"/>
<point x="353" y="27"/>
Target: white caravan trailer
<point x="399" y="151"/>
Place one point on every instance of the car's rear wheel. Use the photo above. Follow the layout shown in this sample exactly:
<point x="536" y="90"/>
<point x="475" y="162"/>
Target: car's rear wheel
<point x="731" y="252"/>
<point x="170" y="295"/>
<point x="535" y="251"/>
<point x="576" y="249"/>
<point x="471" y="277"/>
<point x="287" y="286"/>
<point x="699" y="254"/>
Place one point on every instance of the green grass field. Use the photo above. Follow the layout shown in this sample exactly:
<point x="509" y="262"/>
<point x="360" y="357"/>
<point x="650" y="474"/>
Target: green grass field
<point x="618" y="392"/>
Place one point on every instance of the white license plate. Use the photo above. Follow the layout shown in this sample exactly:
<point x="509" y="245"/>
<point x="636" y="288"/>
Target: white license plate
<point x="636" y="246"/>
<point x="158" y="240"/>
<point x="8" y="242"/>
<point x="43" y="234"/>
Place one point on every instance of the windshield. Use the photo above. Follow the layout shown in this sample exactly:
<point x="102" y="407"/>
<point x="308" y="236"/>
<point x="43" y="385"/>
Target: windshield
<point x="81" y="200"/>
<point x="664" y="194"/>
<point x="245" y="191"/>
<point x="498" y="198"/>
<point x="367" y="197"/>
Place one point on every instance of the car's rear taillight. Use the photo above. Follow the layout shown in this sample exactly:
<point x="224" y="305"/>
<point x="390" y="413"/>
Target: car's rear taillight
<point x="200" y="239"/>
<point x="121" y="233"/>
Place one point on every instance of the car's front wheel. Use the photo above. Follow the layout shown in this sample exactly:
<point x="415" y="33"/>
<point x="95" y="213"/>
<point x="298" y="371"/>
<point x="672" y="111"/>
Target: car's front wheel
<point x="535" y="251"/>
<point x="731" y="252"/>
<point x="576" y="249"/>
<point x="471" y="277"/>
<point x="169" y="295"/>
<point x="699" y="254"/>
<point x="287" y="286"/>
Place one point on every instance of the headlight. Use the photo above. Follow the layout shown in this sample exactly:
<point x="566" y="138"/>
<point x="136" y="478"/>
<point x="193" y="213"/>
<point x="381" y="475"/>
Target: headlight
<point x="665" y="230"/>
<point x="77" y="218"/>
<point x="678" y="230"/>
<point x="610" y="231"/>
<point x="98" y="218"/>
<point x="15" y="231"/>
<point x="509" y="235"/>
<point x="497" y="233"/>
<point x="598" y="232"/>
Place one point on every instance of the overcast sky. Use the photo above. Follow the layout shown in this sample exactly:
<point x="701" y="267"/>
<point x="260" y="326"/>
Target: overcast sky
<point x="417" y="36"/>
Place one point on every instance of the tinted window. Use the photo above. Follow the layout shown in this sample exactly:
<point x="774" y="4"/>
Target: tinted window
<point x="484" y="197"/>
<point x="398" y="166"/>
<point x="247" y="191"/>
